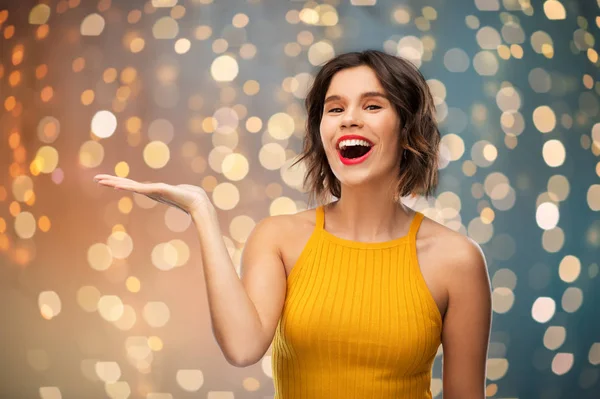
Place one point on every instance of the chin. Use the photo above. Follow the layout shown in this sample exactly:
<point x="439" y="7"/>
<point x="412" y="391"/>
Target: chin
<point x="354" y="178"/>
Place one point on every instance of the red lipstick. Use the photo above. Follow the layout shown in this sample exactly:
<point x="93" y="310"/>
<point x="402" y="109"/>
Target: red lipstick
<point x="352" y="137"/>
<point x="353" y="161"/>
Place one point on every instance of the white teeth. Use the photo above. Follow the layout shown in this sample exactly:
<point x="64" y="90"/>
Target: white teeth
<point x="346" y="143"/>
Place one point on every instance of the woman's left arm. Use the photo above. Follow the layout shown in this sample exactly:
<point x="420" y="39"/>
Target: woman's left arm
<point x="467" y="322"/>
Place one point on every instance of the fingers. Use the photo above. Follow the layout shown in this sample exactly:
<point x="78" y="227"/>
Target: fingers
<point x="153" y="191"/>
<point x="114" y="179"/>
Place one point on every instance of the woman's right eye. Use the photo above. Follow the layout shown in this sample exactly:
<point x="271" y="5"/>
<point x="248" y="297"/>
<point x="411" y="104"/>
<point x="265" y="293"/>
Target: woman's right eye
<point x="333" y="109"/>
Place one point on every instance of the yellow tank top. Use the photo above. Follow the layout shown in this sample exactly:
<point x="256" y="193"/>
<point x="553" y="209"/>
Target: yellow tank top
<point x="358" y="321"/>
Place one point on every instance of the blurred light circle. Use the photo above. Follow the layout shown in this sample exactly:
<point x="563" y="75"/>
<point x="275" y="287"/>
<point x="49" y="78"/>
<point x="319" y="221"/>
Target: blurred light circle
<point x="554" y="10"/>
<point x="513" y="33"/>
<point x="572" y="299"/>
<point x="99" y="256"/>
<point x="91" y="154"/>
<point x="562" y="362"/>
<point x="104" y="124"/>
<point x="272" y="156"/>
<point x="46" y="159"/>
<point x="161" y="130"/>
<point x="39" y="14"/>
<point x="456" y="60"/>
<point x="282" y="206"/>
<point x="120" y="244"/>
<point x="483" y="153"/>
<point x="182" y="46"/>
<point x="554" y="337"/>
<point x="539" y="39"/>
<point x="543" y="309"/>
<point x="502" y="299"/>
<point x="449" y="203"/>
<point x="190" y="380"/>
<point x="183" y="251"/>
<point x="225" y="196"/>
<point x="48" y="129"/>
<point x="126" y="321"/>
<point x="281" y="126"/>
<point x="293" y="175"/>
<point x="594" y="354"/>
<point x="110" y="307"/>
<point x="512" y="123"/>
<point x="544" y="119"/>
<point x="164" y="256"/>
<point x="488" y="38"/>
<point x="411" y="48"/>
<point x="540" y="80"/>
<point x="504" y="278"/>
<point x="496" y="368"/>
<point x="108" y="372"/>
<point x="507" y="202"/>
<point x="224" y="68"/>
<point x="240" y="228"/>
<point x="216" y="157"/>
<point x="165" y="28"/>
<point x="22" y="188"/>
<point x="156" y="154"/>
<point x="554" y="153"/>
<point x="235" y="166"/>
<point x="593" y="197"/>
<point x="88" y="297"/>
<point x="569" y="268"/>
<point x="320" y="52"/>
<point x="303" y="81"/>
<point x="25" y="225"/>
<point x="92" y="25"/>
<point x="438" y="90"/>
<point x="485" y="63"/>
<point x="559" y="186"/>
<point x="455" y="146"/>
<point x="156" y="314"/>
<point x="547" y="215"/>
<point x="481" y="232"/>
<point x="508" y="99"/>
<point x="496" y="185"/>
<point x="227" y="120"/>
<point x="553" y="239"/>
<point x="176" y="220"/>
<point x="596" y="133"/>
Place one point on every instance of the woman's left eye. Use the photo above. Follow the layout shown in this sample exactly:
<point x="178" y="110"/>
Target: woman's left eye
<point x="376" y="106"/>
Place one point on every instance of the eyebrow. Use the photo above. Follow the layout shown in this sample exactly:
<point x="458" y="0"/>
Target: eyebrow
<point x="335" y="97"/>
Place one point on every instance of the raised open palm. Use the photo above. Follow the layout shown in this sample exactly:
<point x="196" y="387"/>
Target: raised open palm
<point x="183" y="196"/>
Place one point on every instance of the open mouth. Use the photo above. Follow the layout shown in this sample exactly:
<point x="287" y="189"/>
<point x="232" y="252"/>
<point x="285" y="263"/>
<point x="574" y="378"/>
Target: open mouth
<point x="354" y="151"/>
<point x="355" y="154"/>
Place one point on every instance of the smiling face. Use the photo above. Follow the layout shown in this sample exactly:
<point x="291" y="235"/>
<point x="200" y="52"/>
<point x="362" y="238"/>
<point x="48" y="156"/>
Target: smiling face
<point x="356" y="104"/>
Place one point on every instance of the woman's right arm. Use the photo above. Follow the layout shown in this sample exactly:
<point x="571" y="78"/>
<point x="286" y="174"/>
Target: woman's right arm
<point x="244" y="312"/>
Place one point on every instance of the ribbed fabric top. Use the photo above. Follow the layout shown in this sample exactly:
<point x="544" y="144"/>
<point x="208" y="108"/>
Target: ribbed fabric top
<point x="358" y="321"/>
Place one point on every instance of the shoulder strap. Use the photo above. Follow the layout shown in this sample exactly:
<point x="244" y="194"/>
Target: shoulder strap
<point x="414" y="225"/>
<point x="320" y="219"/>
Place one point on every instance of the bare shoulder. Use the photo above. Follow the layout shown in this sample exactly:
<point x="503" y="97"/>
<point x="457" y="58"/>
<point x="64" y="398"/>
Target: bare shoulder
<point x="452" y="250"/>
<point x="282" y="227"/>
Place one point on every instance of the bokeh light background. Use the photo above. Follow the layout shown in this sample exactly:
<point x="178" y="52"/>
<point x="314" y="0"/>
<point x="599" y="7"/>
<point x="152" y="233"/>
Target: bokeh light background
<point x="102" y="292"/>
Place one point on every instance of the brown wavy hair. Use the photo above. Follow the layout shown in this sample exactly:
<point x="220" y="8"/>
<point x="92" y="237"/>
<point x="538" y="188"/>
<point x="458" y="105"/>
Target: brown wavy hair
<point x="418" y="134"/>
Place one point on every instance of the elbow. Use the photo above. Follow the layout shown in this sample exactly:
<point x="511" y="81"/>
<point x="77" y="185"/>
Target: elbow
<point x="242" y="362"/>
<point x="245" y="353"/>
<point x="244" y="358"/>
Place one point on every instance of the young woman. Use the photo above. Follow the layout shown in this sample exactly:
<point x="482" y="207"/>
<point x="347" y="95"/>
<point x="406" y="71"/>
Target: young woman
<point x="357" y="294"/>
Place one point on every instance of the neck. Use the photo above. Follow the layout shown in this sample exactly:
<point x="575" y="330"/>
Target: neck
<point x="367" y="215"/>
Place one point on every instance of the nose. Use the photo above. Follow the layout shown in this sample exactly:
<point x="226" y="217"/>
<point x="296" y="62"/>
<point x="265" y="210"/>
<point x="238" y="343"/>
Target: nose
<point x="351" y="118"/>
